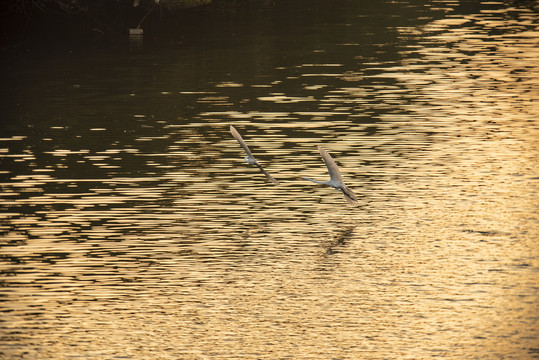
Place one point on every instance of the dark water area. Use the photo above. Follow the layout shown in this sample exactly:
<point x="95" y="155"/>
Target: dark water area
<point x="132" y="228"/>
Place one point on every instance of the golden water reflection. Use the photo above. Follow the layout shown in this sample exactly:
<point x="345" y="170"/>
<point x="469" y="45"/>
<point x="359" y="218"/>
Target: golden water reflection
<point x="166" y="245"/>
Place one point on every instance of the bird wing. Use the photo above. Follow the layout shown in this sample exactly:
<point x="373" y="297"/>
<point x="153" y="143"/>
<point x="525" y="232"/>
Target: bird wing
<point x="238" y="137"/>
<point x="349" y="195"/>
<point x="333" y="169"/>
<point x="268" y="176"/>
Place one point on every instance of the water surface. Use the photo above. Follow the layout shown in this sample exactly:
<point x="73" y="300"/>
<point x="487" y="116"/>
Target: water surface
<point x="131" y="228"/>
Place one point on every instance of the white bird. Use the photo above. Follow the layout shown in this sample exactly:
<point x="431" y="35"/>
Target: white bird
<point x="335" y="180"/>
<point x="249" y="158"/>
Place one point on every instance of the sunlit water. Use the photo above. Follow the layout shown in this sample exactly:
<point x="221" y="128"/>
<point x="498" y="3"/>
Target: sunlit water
<point x="131" y="228"/>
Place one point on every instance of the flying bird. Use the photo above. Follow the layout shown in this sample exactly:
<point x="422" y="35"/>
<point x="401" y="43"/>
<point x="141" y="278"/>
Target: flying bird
<point x="249" y="158"/>
<point x="335" y="180"/>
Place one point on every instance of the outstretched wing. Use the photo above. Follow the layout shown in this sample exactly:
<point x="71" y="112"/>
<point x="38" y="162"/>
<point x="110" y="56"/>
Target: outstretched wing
<point x="333" y="169"/>
<point x="349" y="195"/>
<point x="336" y="178"/>
<point x="238" y="137"/>
<point x="268" y="176"/>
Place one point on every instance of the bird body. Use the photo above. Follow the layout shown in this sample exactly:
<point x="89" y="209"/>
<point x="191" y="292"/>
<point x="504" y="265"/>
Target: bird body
<point x="249" y="158"/>
<point x="335" y="180"/>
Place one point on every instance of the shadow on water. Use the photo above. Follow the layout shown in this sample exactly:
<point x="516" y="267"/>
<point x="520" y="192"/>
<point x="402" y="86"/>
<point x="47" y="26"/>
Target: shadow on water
<point x="132" y="227"/>
<point x="338" y="240"/>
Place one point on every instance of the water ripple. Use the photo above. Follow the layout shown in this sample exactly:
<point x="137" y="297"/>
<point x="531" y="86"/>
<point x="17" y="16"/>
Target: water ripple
<point x="136" y="224"/>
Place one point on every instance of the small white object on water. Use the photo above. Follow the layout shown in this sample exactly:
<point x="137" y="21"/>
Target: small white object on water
<point x="136" y="32"/>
